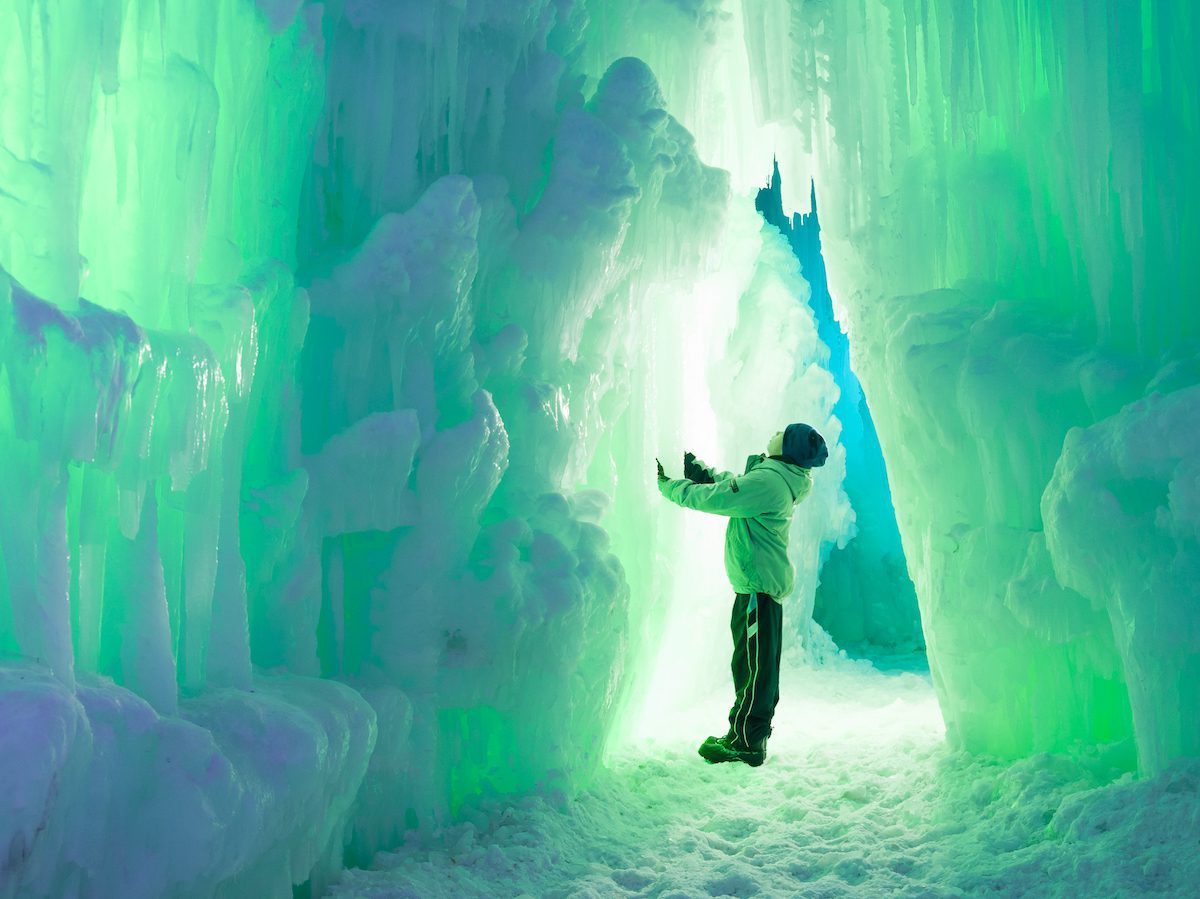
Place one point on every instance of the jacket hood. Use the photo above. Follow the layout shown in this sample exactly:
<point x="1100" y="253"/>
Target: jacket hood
<point x="803" y="446"/>
<point x="798" y="480"/>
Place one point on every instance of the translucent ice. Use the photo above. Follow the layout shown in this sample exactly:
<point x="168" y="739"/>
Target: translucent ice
<point x="1001" y="200"/>
<point x="337" y="339"/>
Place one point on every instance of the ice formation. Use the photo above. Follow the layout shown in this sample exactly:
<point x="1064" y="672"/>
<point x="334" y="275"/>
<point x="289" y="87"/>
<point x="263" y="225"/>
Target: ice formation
<point x="337" y="341"/>
<point x="865" y="595"/>
<point x="1006" y="198"/>
<point x="348" y="554"/>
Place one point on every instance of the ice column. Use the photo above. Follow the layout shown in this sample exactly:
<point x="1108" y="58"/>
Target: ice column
<point x="1005" y="219"/>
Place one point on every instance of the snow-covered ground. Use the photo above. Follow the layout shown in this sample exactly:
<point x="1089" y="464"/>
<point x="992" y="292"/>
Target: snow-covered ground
<point x="860" y="797"/>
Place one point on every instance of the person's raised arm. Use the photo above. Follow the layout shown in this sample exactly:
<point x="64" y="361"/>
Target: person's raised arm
<point x="744" y="496"/>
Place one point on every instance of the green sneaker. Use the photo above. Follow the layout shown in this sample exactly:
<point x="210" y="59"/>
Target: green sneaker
<point x="728" y="748"/>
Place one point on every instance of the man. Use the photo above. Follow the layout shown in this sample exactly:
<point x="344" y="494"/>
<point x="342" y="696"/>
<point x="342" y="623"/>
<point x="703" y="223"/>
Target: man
<point x="759" y="504"/>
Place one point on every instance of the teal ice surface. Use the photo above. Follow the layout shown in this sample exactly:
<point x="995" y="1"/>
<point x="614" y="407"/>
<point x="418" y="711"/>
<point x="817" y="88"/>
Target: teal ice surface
<point x="482" y="257"/>
<point x="270" y="403"/>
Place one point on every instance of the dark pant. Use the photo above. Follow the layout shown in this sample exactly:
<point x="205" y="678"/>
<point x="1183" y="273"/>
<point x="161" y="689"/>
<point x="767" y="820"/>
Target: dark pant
<point x="756" y="624"/>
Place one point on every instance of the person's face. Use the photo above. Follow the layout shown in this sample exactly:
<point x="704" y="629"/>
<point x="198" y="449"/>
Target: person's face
<point x="775" y="444"/>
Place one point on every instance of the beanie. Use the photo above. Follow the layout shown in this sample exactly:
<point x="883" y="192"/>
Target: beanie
<point x="803" y="446"/>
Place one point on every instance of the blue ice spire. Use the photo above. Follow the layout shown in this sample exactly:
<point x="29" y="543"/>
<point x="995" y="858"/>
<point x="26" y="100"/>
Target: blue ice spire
<point x="769" y="202"/>
<point x="865" y="593"/>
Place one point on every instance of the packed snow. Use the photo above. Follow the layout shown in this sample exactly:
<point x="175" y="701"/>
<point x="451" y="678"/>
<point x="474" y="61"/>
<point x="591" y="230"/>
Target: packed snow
<point x="860" y="796"/>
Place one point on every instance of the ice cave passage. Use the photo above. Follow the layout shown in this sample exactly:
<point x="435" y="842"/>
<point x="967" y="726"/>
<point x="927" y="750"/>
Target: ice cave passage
<point x="337" y="343"/>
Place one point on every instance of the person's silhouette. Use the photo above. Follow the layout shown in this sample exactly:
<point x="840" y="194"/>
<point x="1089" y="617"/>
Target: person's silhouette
<point x="759" y="505"/>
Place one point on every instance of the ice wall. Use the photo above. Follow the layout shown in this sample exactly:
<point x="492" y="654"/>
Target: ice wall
<point x="149" y="326"/>
<point x="1009" y="217"/>
<point x="337" y="341"/>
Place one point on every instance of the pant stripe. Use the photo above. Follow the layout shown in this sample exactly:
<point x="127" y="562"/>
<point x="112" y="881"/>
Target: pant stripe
<point x="753" y="690"/>
<point x="752" y="661"/>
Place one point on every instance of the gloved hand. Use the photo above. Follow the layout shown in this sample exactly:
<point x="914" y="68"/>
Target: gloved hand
<point x="694" y="471"/>
<point x="662" y="475"/>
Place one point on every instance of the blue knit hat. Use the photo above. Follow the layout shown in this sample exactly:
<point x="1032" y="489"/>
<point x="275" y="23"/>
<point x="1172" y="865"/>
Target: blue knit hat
<point x="803" y="446"/>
